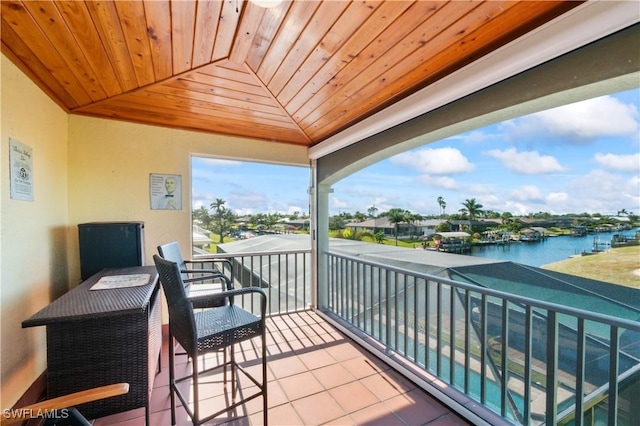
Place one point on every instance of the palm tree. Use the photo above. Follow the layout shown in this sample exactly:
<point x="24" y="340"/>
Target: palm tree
<point x="396" y="216"/>
<point x="359" y="216"/>
<point x="203" y="217"/>
<point x="219" y="215"/>
<point x="272" y="220"/>
<point x="442" y="205"/>
<point x="372" y="211"/>
<point x="473" y="209"/>
<point x="218" y="205"/>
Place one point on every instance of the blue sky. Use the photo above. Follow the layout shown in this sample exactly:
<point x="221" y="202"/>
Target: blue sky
<point x="582" y="157"/>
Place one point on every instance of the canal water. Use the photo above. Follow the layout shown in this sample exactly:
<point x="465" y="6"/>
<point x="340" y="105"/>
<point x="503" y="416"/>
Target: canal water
<point x="552" y="249"/>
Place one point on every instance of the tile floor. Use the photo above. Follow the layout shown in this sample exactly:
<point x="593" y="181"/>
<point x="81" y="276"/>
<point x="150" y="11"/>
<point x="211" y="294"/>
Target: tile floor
<point x="316" y="376"/>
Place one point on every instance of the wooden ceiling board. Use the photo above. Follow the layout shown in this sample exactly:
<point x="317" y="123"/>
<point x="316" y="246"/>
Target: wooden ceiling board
<point x="229" y="71"/>
<point x="297" y="73"/>
<point x="178" y="88"/>
<point x="326" y="13"/>
<point x="357" y="60"/>
<point x="206" y="29"/>
<point x="79" y="22"/>
<point x="440" y="49"/>
<point x="28" y="31"/>
<point x="48" y="18"/>
<point x="227" y="25"/>
<point x="107" y="23"/>
<point x="20" y="54"/>
<point x="345" y="27"/>
<point x="260" y="32"/>
<point x="158" y="20"/>
<point x="375" y="72"/>
<point x="265" y="61"/>
<point x="183" y="17"/>
<point x="136" y="36"/>
<point x="130" y="110"/>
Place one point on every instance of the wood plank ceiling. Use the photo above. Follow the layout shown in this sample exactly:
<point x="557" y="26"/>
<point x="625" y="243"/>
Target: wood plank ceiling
<point x="297" y="73"/>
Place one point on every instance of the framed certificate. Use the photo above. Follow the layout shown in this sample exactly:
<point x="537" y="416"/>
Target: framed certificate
<point x="21" y="159"/>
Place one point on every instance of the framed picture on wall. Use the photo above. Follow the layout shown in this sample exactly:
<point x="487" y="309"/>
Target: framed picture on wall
<point x="21" y="159"/>
<point x="165" y="191"/>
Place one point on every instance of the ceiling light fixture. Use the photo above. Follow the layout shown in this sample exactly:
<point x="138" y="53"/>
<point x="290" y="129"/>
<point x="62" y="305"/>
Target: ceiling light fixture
<point x="266" y="3"/>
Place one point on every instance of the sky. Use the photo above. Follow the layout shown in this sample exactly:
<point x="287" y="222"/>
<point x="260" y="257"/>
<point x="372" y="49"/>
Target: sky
<point x="581" y="157"/>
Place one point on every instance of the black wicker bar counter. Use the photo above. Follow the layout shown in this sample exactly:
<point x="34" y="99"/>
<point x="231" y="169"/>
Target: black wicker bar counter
<point x="100" y="337"/>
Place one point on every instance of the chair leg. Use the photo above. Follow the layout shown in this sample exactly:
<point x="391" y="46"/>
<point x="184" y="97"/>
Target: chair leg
<point x="233" y="373"/>
<point x="172" y="378"/>
<point x="196" y="396"/>
<point x="265" y="401"/>
<point x="224" y="368"/>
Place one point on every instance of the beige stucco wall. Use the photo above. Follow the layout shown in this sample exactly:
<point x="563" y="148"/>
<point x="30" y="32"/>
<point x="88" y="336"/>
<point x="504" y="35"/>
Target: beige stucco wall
<point x="33" y="256"/>
<point x="85" y="170"/>
<point x="109" y="175"/>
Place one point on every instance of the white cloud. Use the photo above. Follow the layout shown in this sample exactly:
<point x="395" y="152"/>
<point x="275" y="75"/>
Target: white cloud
<point x="241" y="201"/>
<point x="218" y="162"/>
<point x="600" y="191"/>
<point x="593" y="118"/>
<point x="579" y="122"/>
<point x="557" y="197"/>
<point x="336" y="203"/>
<point x="517" y="208"/>
<point x="438" y="161"/>
<point x="438" y="181"/>
<point x="293" y="209"/>
<point x="527" y="193"/>
<point x="526" y="162"/>
<point x="476" y="136"/>
<point x="623" y="163"/>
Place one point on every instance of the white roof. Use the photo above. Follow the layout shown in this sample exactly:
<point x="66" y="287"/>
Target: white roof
<point x="453" y="234"/>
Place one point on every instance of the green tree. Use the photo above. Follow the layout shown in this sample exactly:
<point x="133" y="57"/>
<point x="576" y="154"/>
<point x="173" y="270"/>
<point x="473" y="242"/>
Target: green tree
<point x="202" y="217"/>
<point x="397" y="216"/>
<point x="227" y="221"/>
<point x="372" y="211"/>
<point x="443" y="206"/>
<point x="219" y="215"/>
<point x="473" y="209"/>
<point x="506" y="217"/>
<point x="443" y="227"/>
<point x="336" y="223"/>
<point x="272" y="219"/>
<point x="258" y="220"/>
<point x="360" y="217"/>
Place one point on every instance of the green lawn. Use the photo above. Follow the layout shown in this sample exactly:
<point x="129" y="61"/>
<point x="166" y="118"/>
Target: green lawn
<point x="618" y="266"/>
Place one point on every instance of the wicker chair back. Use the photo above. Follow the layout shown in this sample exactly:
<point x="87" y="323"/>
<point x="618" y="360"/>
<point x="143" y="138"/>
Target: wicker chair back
<point x="181" y="318"/>
<point x="171" y="251"/>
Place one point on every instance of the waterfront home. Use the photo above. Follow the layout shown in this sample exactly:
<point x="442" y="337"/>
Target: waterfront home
<point x="375" y="225"/>
<point x="578" y="231"/>
<point x="99" y="97"/>
<point x="531" y="234"/>
<point x="453" y="242"/>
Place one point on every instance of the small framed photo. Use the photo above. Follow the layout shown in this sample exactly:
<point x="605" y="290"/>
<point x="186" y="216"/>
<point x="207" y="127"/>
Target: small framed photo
<point x="21" y="159"/>
<point x="165" y="191"/>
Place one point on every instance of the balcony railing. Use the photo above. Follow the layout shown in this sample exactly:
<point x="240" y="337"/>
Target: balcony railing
<point x="285" y="276"/>
<point x="528" y="361"/>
